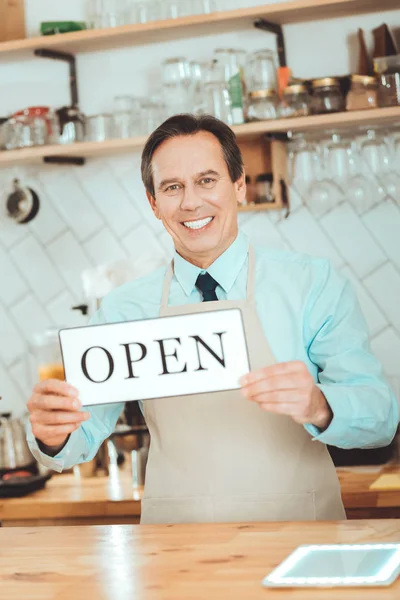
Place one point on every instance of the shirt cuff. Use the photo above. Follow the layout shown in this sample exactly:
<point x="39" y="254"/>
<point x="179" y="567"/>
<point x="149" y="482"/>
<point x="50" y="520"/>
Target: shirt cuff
<point x="55" y="463"/>
<point x="333" y="434"/>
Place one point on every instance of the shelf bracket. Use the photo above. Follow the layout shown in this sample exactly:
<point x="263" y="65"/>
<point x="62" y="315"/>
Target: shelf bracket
<point x="265" y="25"/>
<point x="64" y="160"/>
<point x="65" y="57"/>
<point x="73" y="86"/>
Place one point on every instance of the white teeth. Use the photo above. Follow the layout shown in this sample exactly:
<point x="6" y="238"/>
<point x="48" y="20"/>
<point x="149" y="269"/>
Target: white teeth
<point x="198" y="224"/>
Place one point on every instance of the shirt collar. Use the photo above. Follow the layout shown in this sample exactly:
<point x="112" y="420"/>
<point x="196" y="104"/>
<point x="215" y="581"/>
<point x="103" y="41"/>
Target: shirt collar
<point x="224" y="270"/>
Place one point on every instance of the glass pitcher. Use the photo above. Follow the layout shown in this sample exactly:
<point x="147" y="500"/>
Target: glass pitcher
<point x="47" y="355"/>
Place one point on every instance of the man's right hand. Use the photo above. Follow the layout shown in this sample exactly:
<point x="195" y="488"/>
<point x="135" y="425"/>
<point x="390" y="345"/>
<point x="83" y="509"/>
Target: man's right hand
<point x="54" y="409"/>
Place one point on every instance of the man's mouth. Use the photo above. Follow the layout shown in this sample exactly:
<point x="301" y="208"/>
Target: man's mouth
<point x="198" y="224"/>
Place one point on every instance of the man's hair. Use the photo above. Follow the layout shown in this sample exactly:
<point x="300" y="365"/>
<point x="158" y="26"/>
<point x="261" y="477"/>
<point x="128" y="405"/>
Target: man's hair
<point x="187" y="124"/>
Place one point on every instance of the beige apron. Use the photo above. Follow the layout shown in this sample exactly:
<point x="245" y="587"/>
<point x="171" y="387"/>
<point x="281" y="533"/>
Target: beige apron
<point x="218" y="457"/>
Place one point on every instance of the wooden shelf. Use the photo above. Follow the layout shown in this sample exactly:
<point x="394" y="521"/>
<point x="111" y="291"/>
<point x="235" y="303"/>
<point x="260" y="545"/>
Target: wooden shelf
<point x="248" y="131"/>
<point x="131" y="35"/>
<point x="260" y="207"/>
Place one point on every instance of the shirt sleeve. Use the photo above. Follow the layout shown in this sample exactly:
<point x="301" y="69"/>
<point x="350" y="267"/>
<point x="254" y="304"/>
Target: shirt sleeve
<point x="365" y="410"/>
<point x="83" y="443"/>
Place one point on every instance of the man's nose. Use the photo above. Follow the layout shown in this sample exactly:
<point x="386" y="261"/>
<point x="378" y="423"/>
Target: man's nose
<point x="191" y="200"/>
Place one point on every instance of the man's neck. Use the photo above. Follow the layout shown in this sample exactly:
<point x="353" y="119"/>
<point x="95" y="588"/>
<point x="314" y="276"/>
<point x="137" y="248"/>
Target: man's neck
<point x="204" y="261"/>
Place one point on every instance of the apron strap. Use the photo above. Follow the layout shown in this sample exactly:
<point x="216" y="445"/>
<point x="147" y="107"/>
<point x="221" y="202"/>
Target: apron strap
<point x="251" y="278"/>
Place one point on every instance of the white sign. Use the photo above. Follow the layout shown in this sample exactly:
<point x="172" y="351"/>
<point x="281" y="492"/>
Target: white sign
<point x="156" y="358"/>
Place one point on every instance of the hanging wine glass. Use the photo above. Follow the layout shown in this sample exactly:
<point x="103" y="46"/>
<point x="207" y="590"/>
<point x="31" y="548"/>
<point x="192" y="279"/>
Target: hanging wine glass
<point x="324" y="193"/>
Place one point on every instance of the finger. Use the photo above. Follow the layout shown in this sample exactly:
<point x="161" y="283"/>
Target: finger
<point x="291" y="381"/>
<point x="47" y="432"/>
<point x="55" y="386"/>
<point x="56" y="417"/>
<point x="277" y="397"/>
<point x="284" y="368"/>
<point x="48" y="402"/>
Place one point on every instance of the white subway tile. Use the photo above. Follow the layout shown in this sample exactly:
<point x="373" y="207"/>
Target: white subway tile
<point x="141" y="243"/>
<point x="12" y="344"/>
<point x="110" y="200"/>
<point x="383" y="222"/>
<point x="352" y="240"/>
<point x="11" y="233"/>
<point x="386" y="347"/>
<point x="12" y="285"/>
<point x="30" y="317"/>
<point x="376" y="321"/>
<point x="104" y="247"/>
<point x="70" y="259"/>
<point x="74" y="205"/>
<point x="47" y="224"/>
<point x="384" y="287"/>
<point x="303" y="234"/>
<point x="23" y="374"/>
<point x="62" y="314"/>
<point x="12" y="399"/>
<point x="261" y="231"/>
<point x="34" y="263"/>
<point x="133" y="185"/>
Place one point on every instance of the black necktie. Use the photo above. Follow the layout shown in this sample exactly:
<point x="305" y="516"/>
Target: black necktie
<point x="206" y="284"/>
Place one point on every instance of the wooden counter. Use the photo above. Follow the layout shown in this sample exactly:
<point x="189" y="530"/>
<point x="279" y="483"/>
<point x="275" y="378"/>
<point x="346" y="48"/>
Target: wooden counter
<point x="176" y="562"/>
<point x="73" y="500"/>
<point x="70" y="499"/>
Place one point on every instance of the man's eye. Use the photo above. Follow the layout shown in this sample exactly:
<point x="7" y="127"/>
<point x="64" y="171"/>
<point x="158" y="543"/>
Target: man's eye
<point x="172" y="188"/>
<point x="207" y="181"/>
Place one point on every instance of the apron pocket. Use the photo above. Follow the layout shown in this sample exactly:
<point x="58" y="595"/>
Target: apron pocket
<point x="265" y="507"/>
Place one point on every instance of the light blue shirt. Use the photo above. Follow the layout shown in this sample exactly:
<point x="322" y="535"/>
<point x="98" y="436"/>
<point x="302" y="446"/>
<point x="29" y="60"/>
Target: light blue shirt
<point x="308" y="312"/>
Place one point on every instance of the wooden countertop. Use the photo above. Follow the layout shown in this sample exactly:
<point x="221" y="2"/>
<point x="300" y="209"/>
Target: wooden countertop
<point x="172" y="562"/>
<point x="73" y="496"/>
<point x="112" y="499"/>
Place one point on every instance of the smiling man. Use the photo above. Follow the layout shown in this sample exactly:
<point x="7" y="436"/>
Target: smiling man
<point x="257" y="454"/>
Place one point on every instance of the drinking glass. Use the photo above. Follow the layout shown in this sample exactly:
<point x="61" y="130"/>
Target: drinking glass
<point x="323" y="193"/>
<point x="99" y="128"/>
<point x="218" y="101"/>
<point x="142" y="11"/>
<point x="379" y="160"/>
<point x="106" y="13"/>
<point x="174" y="9"/>
<point x="300" y="164"/>
<point x="201" y="7"/>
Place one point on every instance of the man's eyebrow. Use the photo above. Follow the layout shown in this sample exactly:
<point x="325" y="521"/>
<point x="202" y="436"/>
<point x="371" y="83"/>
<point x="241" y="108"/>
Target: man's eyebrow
<point x="165" y="182"/>
<point x="208" y="172"/>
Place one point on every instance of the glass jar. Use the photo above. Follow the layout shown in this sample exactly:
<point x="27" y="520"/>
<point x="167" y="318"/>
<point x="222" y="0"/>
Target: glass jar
<point x="389" y="89"/>
<point x="48" y="357"/>
<point x="363" y="93"/>
<point x="295" y="101"/>
<point x="327" y="96"/>
<point x="263" y="105"/>
<point x="264" y="193"/>
<point x="261" y="71"/>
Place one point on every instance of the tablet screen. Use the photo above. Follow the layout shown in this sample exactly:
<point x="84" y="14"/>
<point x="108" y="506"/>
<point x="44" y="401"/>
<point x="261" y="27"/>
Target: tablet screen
<point x="338" y="565"/>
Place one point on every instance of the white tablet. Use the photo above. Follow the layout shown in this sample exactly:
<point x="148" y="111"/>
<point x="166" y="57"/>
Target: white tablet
<point x="339" y="565"/>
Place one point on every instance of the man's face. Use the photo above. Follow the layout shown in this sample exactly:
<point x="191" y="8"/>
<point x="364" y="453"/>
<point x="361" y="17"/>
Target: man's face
<point x="195" y="197"/>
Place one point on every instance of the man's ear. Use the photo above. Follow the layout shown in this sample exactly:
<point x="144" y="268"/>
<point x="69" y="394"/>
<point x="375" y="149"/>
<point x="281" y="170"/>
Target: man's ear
<point x="153" y="204"/>
<point x="241" y="188"/>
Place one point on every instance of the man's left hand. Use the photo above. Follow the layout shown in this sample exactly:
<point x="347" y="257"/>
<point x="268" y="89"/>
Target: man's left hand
<point x="288" y="389"/>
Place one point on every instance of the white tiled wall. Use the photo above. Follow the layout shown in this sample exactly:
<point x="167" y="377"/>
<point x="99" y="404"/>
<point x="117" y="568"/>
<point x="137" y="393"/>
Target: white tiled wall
<point x="99" y="212"/>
